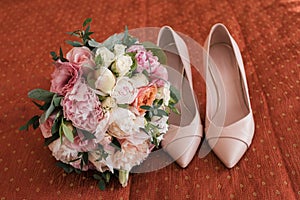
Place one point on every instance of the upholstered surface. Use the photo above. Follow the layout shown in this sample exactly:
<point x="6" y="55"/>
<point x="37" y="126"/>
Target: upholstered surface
<point x="268" y="34"/>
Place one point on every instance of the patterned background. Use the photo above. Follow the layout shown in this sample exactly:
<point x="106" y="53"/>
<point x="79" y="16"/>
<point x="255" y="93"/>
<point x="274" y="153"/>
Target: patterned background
<point x="268" y="34"/>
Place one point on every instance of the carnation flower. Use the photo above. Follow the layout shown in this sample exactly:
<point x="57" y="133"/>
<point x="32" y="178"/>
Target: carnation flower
<point x="130" y="155"/>
<point x="82" y="107"/>
<point x="64" y="77"/>
<point x="83" y="57"/>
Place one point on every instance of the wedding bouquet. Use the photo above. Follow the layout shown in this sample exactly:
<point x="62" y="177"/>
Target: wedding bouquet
<point x="108" y="104"/>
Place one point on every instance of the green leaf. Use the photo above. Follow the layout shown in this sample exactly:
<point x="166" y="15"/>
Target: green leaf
<point x="128" y="40"/>
<point x="122" y="105"/>
<point x="74" y="43"/>
<point x="87" y="21"/>
<point x="161" y="113"/>
<point x="41" y="94"/>
<point x="67" y="168"/>
<point x="61" y="56"/>
<point x="145" y="107"/>
<point x="68" y="132"/>
<point x="101" y="185"/>
<point x="97" y="176"/>
<point x="85" y="158"/>
<point x="174" y="94"/>
<point x="112" y="40"/>
<point x="51" y="139"/>
<point x="54" y="56"/>
<point x="73" y="34"/>
<point x="157" y="51"/>
<point x="87" y="135"/>
<point x="56" y="101"/>
<point x="34" y="121"/>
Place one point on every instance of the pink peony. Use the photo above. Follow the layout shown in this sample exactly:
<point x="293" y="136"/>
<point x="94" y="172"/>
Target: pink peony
<point x="64" y="77"/>
<point x="83" y="57"/>
<point x="47" y="125"/>
<point x="82" y="107"/>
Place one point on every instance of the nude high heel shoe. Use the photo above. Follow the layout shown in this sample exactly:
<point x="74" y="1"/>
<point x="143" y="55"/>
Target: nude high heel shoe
<point x="183" y="138"/>
<point x="229" y="119"/>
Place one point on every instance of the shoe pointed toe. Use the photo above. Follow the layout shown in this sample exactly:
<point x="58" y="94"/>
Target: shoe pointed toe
<point x="228" y="150"/>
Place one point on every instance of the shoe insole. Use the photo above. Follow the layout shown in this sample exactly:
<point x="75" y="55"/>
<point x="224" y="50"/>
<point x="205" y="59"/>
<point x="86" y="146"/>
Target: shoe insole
<point x="235" y="104"/>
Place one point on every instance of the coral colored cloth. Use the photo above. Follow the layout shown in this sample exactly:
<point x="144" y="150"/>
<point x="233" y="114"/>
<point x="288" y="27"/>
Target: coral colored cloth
<point x="268" y="34"/>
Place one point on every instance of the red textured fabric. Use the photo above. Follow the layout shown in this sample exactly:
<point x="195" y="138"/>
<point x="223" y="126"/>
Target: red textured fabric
<point x="269" y="37"/>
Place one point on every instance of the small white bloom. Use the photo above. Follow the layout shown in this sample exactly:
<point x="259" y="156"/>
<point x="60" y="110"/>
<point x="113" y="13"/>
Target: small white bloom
<point x="106" y="55"/>
<point x="119" y="49"/>
<point x="109" y="103"/>
<point x="164" y="93"/>
<point x="160" y="123"/>
<point x="105" y="81"/>
<point x="124" y="92"/>
<point x="122" y="64"/>
<point x="139" y="80"/>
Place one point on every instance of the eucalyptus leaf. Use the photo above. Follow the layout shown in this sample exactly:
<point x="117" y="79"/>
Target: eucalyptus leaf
<point x="94" y="43"/>
<point x="157" y="51"/>
<point x="41" y="94"/>
<point x="97" y="176"/>
<point x="74" y="43"/>
<point x="87" y="135"/>
<point x="112" y="40"/>
<point x="101" y="184"/>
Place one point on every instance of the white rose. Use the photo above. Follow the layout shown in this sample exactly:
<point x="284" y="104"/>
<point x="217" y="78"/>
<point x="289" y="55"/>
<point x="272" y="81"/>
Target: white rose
<point x="105" y="81"/>
<point x="106" y="55"/>
<point x="140" y="80"/>
<point x="164" y="93"/>
<point x="119" y="49"/>
<point x="124" y="91"/>
<point x="122" y="65"/>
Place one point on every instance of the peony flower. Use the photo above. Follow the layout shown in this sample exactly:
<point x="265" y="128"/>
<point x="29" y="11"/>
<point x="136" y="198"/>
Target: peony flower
<point x="130" y="155"/>
<point x="64" y="77"/>
<point x="136" y="48"/>
<point x="82" y="107"/>
<point x="122" y="65"/>
<point x="103" y="164"/>
<point x="119" y="49"/>
<point x="124" y="91"/>
<point x="107" y="57"/>
<point x="105" y="80"/>
<point x="47" y="125"/>
<point x="83" y="57"/>
<point x="146" y="96"/>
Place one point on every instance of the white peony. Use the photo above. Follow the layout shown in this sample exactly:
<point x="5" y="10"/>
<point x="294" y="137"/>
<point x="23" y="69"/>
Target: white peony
<point x="105" y="81"/>
<point x="119" y="49"/>
<point x="122" y="64"/>
<point x="107" y="56"/>
<point x="124" y="92"/>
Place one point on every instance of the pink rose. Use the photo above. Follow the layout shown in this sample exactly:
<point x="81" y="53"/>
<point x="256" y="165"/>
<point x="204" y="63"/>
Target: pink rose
<point x="82" y="107"/>
<point x="47" y="125"/>
<point x="64" y="77"/>
<point x="83" y="57"/>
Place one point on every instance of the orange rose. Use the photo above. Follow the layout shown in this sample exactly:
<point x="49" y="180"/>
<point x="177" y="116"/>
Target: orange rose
<point x="146" y="96"/>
